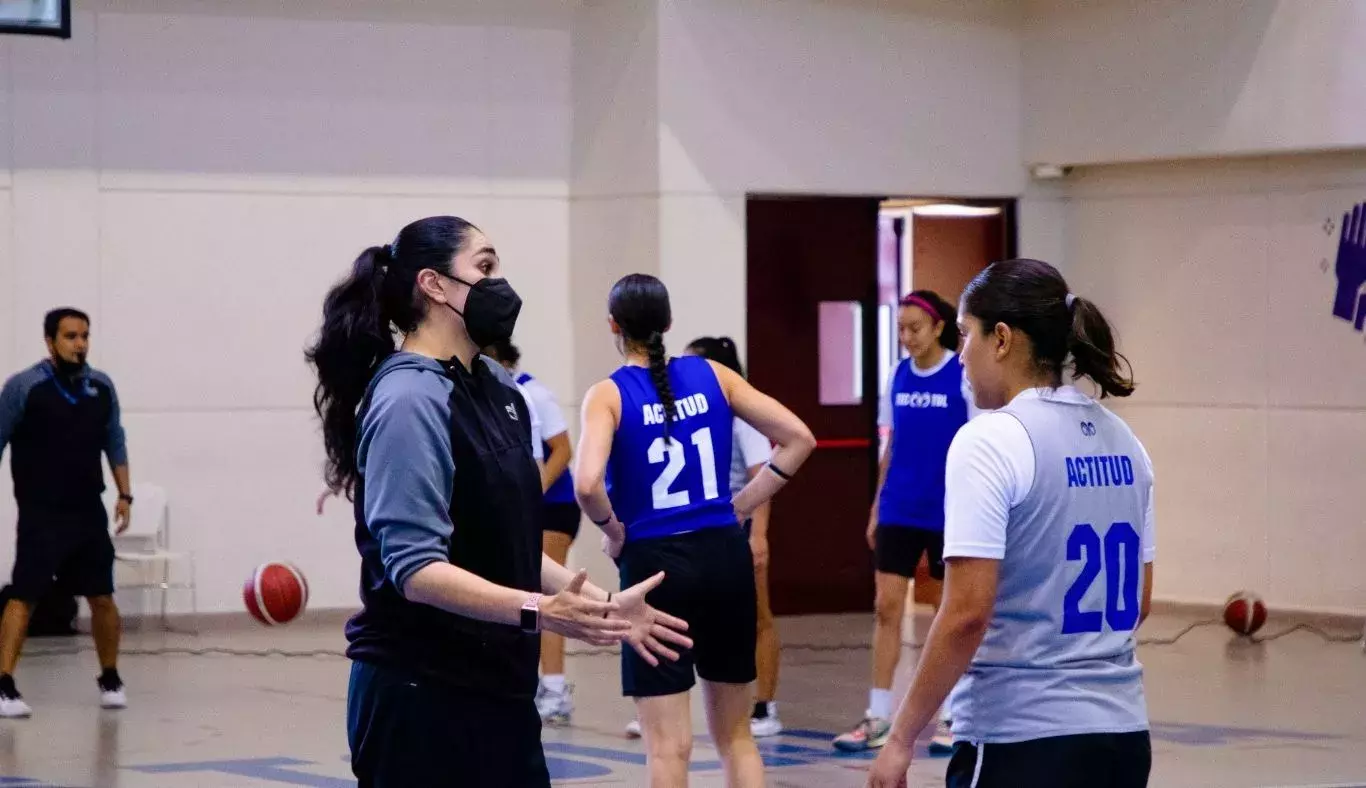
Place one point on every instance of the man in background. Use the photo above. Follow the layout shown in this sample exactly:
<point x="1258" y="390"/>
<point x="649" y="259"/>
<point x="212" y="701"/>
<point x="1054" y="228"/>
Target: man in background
<point x="59" y="416"/>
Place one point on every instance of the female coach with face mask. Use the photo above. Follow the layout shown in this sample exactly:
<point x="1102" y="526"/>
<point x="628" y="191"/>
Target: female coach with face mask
<point x="432" y="443"/>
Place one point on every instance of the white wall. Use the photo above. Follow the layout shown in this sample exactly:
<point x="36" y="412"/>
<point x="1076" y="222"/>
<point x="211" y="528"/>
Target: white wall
<point x="193" y="176"/>
<point x="1251" y="396"/>
<point x="1131" y="80"/>
<point x="807" y="96"/>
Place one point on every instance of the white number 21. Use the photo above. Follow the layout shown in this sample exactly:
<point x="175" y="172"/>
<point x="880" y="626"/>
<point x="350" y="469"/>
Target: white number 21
<point x="663" y="499"/>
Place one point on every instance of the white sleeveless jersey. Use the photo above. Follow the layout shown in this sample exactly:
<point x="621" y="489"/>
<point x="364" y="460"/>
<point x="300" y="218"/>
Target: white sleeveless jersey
<point x="1060" y="491"/>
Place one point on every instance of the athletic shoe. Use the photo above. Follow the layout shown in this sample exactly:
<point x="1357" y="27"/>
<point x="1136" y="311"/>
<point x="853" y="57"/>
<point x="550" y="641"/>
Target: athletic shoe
<point x="942" y="743"/>
<point x="633" y="729"/>
<point x="12" y="704"/>
<point x="870" y="734"/>
<point x="768" y="725"/>
<point x="556" y="708"/>
<point x="112" y="695"/>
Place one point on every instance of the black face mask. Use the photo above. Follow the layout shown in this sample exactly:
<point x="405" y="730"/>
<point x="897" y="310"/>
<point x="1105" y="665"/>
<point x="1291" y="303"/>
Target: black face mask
<point x="491" y="310"/>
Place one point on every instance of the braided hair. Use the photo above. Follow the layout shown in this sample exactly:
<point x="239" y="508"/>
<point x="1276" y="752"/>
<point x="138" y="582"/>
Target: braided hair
<point x="639" y="303"/>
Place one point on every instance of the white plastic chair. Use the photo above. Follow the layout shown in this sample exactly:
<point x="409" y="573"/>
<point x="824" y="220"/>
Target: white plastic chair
<point x="146" y="545"/>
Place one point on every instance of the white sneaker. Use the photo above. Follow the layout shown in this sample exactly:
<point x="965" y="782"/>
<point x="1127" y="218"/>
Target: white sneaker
<point x="12" y="705"/>
<point x="633" y="729"/>
<point x="760" y="727"/>
<point x="112" y="695"/>
<point x="113" y="699"/>
<point x="14" y="708"/>
<point x="555" y="708"/>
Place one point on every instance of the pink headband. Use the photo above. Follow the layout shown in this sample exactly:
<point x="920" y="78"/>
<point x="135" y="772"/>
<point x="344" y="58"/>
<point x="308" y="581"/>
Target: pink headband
<point x="915" y="300"/>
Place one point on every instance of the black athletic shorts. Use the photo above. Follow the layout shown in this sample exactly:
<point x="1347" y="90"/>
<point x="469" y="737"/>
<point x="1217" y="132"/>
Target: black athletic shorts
<point x="562" y="518"/>
<point x="899" y="549"/>
<point x="408" y="731"/>
<point x="709" y="583"/>
<point x="1093" y="760"/>
<point x="71" y="547"/>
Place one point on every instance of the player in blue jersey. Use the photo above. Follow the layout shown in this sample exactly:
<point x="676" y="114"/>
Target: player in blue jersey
<point x="927" y="401"/>
<point x="560" y="520"/>
<point x="652" y="465"/>
<point x="1049" y="547"/>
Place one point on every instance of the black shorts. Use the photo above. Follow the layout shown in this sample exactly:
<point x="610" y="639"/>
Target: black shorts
<point x="899" y="549"/>
<point x="562" y="518"/>
<point x="70" y="547"/>
<point x="407" y="731"/>
<point x="709" y="583"/>
<point x="1093" y="760"/>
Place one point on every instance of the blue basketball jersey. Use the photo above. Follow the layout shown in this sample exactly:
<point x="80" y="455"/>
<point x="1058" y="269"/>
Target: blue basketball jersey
<point x="664" y="487"/>
<point x="927" y="411"/>
<point x="562" y="490"/>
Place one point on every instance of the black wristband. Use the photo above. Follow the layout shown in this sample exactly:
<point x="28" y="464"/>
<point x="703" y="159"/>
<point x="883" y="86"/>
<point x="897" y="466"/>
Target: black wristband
<point x="787" y="477"/>
<point x="603" y="522"/>
<point x="125" y="498"/>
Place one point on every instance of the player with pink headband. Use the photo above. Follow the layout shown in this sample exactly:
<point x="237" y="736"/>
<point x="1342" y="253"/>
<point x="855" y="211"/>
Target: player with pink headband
<point x="926" y="402"/>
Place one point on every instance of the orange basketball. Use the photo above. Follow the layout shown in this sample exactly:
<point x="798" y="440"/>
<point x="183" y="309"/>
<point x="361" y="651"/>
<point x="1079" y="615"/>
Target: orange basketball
<point x="1244" y="613"/>
<point x="276" y="593"/>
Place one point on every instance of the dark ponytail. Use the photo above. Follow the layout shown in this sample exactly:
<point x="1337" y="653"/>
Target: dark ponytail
<point x="639" y="303"/>
<point x="360" y="315"/>
<point x="943" y="310"/>
<point x="1091" y="344"/>
<point x="722" y="350"/>
<point x="1032" y="297"/>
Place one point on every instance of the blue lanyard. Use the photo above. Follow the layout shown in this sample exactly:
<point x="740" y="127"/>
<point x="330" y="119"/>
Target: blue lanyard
<point x="68" y="396"/>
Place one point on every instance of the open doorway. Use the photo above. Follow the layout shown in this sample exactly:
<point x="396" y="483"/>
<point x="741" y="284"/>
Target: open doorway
<point x="824" y="275"/>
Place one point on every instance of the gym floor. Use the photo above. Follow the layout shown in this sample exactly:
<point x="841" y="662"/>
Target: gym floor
<point x="1225" y="712"/>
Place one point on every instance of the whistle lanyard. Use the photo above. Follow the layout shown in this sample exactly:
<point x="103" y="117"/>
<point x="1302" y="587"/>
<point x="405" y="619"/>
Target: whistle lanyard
<point x="68" y="396"/>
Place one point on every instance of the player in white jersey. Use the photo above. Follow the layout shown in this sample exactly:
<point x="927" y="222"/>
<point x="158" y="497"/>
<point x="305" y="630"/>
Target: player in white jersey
<point x="1049" y="552"/>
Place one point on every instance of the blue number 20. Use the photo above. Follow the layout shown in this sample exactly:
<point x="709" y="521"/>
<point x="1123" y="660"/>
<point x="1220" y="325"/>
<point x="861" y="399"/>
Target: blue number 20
<point x="1119" y="559"/>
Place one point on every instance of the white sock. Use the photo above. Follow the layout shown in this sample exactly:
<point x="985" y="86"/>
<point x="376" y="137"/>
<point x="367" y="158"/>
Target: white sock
<point x="554" y="683"/>
<point x="880" y="704"/>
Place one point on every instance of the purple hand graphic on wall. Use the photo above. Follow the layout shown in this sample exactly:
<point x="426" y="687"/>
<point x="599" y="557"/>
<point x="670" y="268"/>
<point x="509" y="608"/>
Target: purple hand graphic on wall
<point x="1349" y="303"/>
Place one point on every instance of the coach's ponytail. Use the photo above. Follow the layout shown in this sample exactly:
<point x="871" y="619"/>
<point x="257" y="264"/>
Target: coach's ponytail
<point x="1091" y="344"/>
<point x="639" y="304"/>
<point x="360" y="315"/>
<point x="354" y="341"/>
<point x="1032" y="297"/>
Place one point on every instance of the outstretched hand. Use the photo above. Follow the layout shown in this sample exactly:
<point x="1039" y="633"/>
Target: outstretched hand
<point x="650" y="629"/>
<point x="573" y="615"/>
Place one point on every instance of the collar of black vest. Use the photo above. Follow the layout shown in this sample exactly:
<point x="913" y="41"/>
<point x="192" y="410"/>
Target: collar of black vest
<point x="479" y="367"/>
